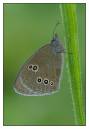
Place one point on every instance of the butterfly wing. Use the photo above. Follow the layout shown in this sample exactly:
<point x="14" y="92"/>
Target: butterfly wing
<point x="40" y="74"/>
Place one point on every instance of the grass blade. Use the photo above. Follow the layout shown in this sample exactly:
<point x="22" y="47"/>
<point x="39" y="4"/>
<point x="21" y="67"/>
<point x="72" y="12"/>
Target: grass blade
<point x="68" y="12"/>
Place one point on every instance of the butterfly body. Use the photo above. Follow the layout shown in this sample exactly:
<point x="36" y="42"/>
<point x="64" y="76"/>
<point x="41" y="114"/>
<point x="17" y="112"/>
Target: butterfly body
<point x="41" y="73"/>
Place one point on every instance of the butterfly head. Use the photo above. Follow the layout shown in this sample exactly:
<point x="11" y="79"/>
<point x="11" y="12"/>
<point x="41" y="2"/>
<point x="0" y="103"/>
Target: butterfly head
<point x="56" y="45"/>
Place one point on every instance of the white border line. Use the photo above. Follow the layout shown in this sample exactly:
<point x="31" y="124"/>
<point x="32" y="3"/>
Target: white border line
<point x="1" y="58"/>
<point x="43" y="1"/>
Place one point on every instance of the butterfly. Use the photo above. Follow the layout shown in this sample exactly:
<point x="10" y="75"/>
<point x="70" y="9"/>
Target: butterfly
<point x="41" y="73"/>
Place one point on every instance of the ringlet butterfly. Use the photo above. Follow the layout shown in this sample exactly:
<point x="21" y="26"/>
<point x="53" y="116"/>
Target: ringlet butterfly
<point x="41" y="73"/>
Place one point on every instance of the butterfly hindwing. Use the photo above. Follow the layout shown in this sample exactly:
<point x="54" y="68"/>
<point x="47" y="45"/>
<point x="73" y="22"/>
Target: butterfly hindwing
<point x="40" y="74"/>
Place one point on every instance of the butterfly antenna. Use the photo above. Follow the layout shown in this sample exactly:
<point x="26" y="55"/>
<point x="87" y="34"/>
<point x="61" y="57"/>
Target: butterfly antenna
<point x="58" y="22"/>
<point x="54" y="30"/>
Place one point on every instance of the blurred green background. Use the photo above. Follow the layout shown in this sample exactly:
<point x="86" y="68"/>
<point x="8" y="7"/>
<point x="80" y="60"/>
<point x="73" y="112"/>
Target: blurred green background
<point x="27" y="27"/>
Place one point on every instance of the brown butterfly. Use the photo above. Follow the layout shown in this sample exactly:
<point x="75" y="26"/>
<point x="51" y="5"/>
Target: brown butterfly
<point x="41" y="73"/>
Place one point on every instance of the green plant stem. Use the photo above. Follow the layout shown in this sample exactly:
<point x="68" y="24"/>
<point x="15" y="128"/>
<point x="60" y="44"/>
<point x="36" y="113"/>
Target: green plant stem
<point x="68" y="12"/>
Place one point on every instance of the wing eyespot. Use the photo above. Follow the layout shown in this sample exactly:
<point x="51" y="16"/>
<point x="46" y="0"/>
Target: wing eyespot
<point x="30" y="67"/>
<point x="35" y="68"/>
<point x="46" y="81"/>
<point x="51" y="83"/>
<point x="39" y="80"/>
